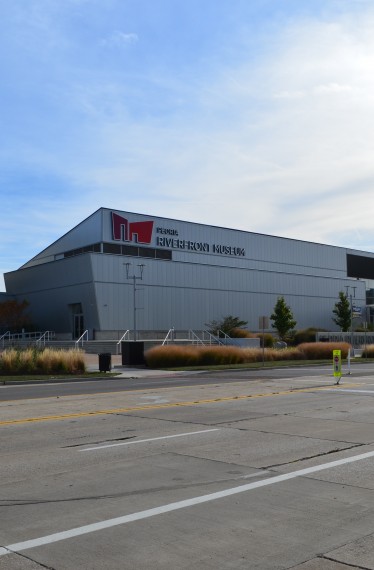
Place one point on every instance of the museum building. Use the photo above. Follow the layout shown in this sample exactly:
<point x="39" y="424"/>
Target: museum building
<point x="118" y="271"/>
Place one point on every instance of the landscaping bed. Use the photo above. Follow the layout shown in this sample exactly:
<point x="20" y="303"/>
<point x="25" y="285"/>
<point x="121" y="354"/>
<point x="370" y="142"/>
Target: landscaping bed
<point x="195" y="356"/>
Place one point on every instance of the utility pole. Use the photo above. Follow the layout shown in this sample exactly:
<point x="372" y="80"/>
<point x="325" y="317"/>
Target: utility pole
<point x="348" y="287"/>
<point x="134" y="279"/>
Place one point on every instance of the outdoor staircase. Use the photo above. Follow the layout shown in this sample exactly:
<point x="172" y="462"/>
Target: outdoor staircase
<point x="113" y="346"/>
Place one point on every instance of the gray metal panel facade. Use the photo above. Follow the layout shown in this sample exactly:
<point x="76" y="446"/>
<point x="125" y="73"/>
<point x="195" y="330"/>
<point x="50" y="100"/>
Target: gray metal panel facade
<point x="214" y="272"/>
<point x="88" y="232"/>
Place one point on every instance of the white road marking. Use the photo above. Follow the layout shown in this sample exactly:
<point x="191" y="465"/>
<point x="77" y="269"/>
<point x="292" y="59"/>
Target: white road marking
<point x="155" y="399"/>
<point x="99" y="447"/>
<point x="79" y="531"/>
<point x="256" y="474"/>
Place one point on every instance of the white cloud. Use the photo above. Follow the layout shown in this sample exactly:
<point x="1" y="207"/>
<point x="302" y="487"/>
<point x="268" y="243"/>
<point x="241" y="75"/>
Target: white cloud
<point x="259" y="164"/>
<point x="119" y="39"/>
<point x="289" y="95"/>
<point x="281" y="144"/>
<point x="332" y="88"/>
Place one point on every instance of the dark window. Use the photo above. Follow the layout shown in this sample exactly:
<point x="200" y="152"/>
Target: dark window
<point x="147" y="252"/>
<point x="86" y="249"/>
<point x="163" y="253"/>
<point x="96" y="247"/>
<point x="112" y="248"/>
<point x="90" y="248"/>
<point x="117" y="249"/>
<point x="73" y="252"/>
<point x="130" y="250"/>
<point x="360" y="266"/>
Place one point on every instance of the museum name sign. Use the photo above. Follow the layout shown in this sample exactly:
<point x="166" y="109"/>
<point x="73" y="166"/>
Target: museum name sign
<point x="202" y="247"/>
<point x="142" y="232"/>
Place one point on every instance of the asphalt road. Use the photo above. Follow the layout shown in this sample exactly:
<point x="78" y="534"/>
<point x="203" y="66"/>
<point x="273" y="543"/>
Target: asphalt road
<point x="246" y="472"/>
<point x="146" y="381"/>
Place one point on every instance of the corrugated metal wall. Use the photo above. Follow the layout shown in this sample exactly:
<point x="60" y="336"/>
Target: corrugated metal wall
<point x="187" y="292"/>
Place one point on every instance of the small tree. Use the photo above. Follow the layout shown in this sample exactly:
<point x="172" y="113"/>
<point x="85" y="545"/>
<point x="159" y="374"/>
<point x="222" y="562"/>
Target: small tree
<point x="13" y="315"/>
<point x="282" y="318"/>
<point x="343" y="313"/>
<point x="226" y="325"/>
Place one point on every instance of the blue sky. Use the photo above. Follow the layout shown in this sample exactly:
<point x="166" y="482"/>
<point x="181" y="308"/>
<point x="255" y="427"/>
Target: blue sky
<point x="251" y="114"/>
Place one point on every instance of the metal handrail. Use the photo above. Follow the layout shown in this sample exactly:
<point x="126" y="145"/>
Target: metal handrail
<point x="47" y="335"/>
<point x="192" y="336"/>
<point x="81" y="339"/>
<point x="123" y="337"/>
<point x="224" y="335"/>
<point x="2" y="337"/>
<point x="24" y="335"/>
<point x="172" y="338"/>
<point x="216" y="339"/>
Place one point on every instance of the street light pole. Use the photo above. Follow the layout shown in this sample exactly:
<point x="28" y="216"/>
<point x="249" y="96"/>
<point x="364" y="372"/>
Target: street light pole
<point x="348" y="287"/>
<point x="134" y="279"/>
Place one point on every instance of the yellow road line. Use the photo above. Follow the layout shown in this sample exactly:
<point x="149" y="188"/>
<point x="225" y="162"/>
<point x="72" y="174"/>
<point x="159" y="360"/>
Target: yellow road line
<point x="171" y="405"/>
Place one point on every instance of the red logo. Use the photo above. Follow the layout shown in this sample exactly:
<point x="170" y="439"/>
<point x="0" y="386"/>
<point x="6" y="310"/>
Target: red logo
<point x="140" y="232"/>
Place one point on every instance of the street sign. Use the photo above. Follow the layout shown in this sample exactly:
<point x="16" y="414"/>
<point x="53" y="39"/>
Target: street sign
<point x="356" y="311"/>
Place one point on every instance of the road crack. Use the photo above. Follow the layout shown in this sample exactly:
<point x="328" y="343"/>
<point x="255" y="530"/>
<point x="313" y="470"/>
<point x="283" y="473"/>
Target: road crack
<point x="40" y="564"/>
<point x="355" y="566"/>
<point x="97" y="442"/>
<point x="336" y="450"/>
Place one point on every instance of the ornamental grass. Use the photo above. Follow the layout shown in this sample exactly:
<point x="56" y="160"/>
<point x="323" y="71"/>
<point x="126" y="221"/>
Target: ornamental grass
<point x="45" y="361"/>
<point x="172" y="356"/>
<point x="368" y="351"/>
<point x="17" y="361"/>
<point x="323" y="350"/>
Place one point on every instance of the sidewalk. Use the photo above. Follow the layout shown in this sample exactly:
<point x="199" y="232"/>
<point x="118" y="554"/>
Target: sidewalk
<point x="92" y="365"/>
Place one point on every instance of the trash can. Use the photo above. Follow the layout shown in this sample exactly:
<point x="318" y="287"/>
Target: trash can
<point x="105" y="362"/>
<point x="132" y="353"/>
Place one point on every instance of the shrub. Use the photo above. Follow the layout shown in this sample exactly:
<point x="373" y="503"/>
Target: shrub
<point x="17" y="361"/>
<point x="225" y="325"/>
<point x="74" y="361"/>
<point x="368" y="351"/>
<point x="306" y="335"/>
<point x="292" y="353"/>
<point x="25" y="360"/>
<point x="323" y="350"/>
<point x="171" y="356"/>
<point x="46" y="361"/>
<point x="8" y="360"/>
<point x="179" y="356"/>
<point x="241" y="333"/>
<point x="266" y="338"/>
<point x="174" y="356"/>
<point x="251" y="354"/>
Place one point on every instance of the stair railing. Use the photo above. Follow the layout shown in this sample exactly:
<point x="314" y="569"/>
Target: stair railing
<point x="122" y="339"/>
<point x="2" y="337"/>
<point x="46" y="336"/>
<point x="169" y="337"/>
<point x="194" y="338"/>
<point x="81" y="339"/>
<point x="213" y="339"/>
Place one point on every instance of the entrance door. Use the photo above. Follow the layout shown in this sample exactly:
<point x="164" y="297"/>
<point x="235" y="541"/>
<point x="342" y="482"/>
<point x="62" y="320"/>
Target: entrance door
<point x="78" y="325"/>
